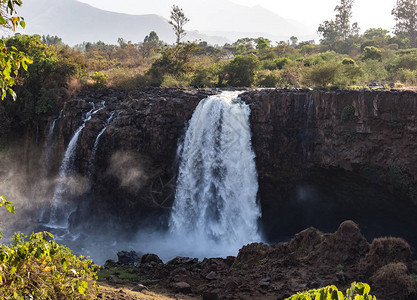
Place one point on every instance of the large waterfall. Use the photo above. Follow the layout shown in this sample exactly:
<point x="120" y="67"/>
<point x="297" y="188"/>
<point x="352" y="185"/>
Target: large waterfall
<point x="215" y="203"/>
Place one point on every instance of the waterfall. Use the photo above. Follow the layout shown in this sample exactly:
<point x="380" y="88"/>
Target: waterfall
<point x="60" y="211"/>
<point x="215" y="204"/>
<point x="48" y="142"/>
<point x="94" y="151"/>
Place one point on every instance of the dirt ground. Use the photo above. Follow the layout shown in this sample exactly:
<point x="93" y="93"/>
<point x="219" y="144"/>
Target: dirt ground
<point x="124" y="292"/>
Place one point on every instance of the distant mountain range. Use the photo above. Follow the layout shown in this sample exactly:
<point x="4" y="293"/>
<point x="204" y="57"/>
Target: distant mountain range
<point x="222" y="21"/>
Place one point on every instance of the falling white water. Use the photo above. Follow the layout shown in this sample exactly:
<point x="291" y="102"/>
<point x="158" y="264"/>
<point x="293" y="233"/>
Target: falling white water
<point x="94" y="151"/>
<point x="215" y="210"/>
<point x="59" y="210"/>
<point x="48" y="142"/>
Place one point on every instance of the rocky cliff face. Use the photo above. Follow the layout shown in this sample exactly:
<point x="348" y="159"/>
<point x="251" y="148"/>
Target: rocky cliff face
<point x="322" y="158"/>
<point x="132" y="174"/>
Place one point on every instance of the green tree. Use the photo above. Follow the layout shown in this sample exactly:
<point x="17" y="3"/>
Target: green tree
<point x="122" y="43"/>
<point x="150" y="45"/>
<point x="52" y="40"/>
<point x="405" y="16"/>
<point x="262" y="44"/>
<point x="152" y="37"/>
<point x="343" y="17"/>
<point x="329" y="32"/>
<point x="241" y="70"/>
<point x="173" y="61"/>
<point x="294" y="41"/>
<point x="372" y="33"/>
<point x="178" y="21"/>
<point x="341" y="27"/>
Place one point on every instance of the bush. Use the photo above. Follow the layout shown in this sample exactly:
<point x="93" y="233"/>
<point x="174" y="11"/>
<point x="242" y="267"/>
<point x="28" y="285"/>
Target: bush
<point x="406" y="76"/>
<point x="371" y="52"/>
<point x="205" y="76"/>
<point x="373" y="70"/>
<point x="241" y="70"/>
<point x="99" y="78"/>
<point x="357" y="291"/>
<point x="269" y="79"/>
<point x="172" y="81"/>
<point x="323" y="75"/>
<point x="173" y="61"/>
<point x="38" y="268"/>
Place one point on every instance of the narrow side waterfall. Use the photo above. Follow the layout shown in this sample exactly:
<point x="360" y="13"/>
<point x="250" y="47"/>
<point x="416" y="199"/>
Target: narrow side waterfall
<point x="49" y="142"/>
<point x="60" y="210"/>
<point x="215" y="206"/>
<point x="94" y="151"/>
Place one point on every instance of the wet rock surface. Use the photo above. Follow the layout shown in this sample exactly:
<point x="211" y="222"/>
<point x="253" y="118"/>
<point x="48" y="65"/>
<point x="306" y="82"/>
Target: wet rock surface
<point x="133" y="173"/>
<point x="327" y="156"/>
<point x="311" y="259"/>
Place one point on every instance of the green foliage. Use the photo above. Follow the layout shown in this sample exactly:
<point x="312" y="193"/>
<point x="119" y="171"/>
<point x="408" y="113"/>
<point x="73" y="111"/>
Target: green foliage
<point x="405" y="16"/>
<point x="39" y="268"/>
<point x="405" y="60"/>
<point x="371" y="52"/>
<point x="10" y="57"/>
<point x="348" y="61"/>
<point x="373" y="33"/>
<point x="373" y="70"/>
<point x="357" y="291"/>
<point x="242" y="69"/>
<point x="100" y="79"/>
<point x="270" y="79"/>
<point x="262" y="44"/>
<point x="407" y="76"/>
<point x="241" y="49"/>
<point x="43" y="85"/>
<point x="323" y="75"/>
<point x="52" y="40"/>
<point x="7" y="204"/>
<point x="340" y="28"/>
<point x="348" y="114"/>
<point x="203" y="77"/>
<point x="175" y="81"/>
<point x="174" y="61"/>
<point x="46" y="101"/>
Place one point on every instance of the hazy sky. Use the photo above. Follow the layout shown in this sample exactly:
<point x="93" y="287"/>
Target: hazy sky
<point x="368" y="13"/>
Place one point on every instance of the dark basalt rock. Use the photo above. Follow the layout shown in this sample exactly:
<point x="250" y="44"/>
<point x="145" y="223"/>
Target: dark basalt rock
<point x="128" y="258"/>
<point x="311" y="259"/>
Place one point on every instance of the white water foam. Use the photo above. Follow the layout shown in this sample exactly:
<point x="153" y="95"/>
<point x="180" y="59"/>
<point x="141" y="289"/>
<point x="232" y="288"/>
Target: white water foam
<point x="215" y="211"/>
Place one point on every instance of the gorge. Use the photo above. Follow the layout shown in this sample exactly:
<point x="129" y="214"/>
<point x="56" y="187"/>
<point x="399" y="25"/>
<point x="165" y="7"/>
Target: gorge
<point x="322" y="157"/>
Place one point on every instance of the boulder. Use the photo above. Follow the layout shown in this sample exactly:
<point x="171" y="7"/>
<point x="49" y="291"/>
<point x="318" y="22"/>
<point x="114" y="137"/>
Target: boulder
<point x="181" y="287"/>
<point x="150" y="259"/>
<point x="128" y="258"/>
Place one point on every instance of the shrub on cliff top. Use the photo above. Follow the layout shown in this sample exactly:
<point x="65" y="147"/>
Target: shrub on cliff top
<point x="241" y="70"/>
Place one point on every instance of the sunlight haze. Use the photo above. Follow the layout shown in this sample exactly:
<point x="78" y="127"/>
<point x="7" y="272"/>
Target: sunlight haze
<point x="368" y="13"/>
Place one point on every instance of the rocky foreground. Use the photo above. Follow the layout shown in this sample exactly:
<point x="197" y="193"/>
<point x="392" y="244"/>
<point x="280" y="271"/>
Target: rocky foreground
<point x="312" y="259"/>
